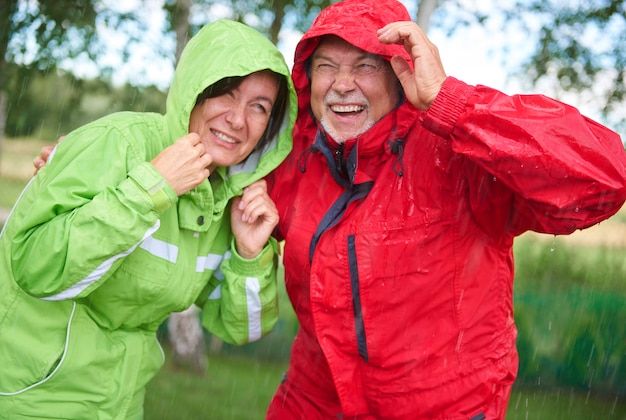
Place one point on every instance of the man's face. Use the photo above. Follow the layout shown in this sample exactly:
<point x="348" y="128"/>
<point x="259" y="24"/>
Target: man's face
<point x="350" y="88"/>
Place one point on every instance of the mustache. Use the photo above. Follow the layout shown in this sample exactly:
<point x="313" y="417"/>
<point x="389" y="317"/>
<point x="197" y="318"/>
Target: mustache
<point x="333" y="97"/>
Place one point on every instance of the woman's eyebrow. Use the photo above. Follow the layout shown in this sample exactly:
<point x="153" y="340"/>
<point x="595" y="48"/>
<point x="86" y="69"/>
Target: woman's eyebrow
<point x="265" y="99"/>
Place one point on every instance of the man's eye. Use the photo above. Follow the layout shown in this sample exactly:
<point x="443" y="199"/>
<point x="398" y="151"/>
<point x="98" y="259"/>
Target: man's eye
<point x="365" y="68"/>
<point x="325" y="68"/>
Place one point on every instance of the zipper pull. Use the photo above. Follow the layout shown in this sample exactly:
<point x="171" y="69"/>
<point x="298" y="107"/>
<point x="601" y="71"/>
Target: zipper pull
<point x="339" y="158"/>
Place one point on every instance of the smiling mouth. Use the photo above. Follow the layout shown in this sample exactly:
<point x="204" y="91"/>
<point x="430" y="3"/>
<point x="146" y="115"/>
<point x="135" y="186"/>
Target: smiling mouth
<point x="224" y="137"/>
<point x="347" y="109"/>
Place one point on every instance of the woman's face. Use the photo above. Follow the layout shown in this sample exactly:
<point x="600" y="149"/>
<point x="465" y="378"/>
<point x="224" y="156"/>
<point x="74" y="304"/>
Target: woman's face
<point x="231" y="125"/>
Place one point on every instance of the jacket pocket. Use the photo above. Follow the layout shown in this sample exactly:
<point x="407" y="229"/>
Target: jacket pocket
<point x="404" y="298"/>
<point x="33" y="343"/>
<point x="356" y="298"/>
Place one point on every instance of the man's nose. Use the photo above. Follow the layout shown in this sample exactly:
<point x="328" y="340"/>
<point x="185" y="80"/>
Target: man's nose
<point x="344" y="79"/>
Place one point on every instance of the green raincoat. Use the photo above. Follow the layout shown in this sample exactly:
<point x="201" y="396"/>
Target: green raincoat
<point x="99" y="250"/>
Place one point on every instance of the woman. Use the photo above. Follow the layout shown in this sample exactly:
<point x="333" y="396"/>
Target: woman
<point x="122" y="227"/>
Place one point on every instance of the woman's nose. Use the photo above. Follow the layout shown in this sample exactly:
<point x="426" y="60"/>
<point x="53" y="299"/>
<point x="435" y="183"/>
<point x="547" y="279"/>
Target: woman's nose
<point x="236" y="116"/>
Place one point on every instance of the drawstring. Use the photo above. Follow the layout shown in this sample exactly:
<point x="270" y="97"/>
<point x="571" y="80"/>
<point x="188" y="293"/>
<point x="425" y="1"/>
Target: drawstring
<point x="397" y="148"/>
<point x="304" y="156"/>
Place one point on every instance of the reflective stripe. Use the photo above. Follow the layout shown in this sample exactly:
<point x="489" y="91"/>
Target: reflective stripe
<point x="97" y="274"/>
<point x="210" y="262"/>
<point x="161" y="249"/>
<point x="216" y="293"/>
<point x="253" y="300"/>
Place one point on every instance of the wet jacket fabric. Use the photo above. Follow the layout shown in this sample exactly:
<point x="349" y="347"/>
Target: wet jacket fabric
<point x="99" y="250"/>
<point x="398" y="248"/>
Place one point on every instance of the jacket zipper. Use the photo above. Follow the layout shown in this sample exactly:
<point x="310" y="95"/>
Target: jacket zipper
<point x="356" y="299"/>
<point x="339" y="163"/>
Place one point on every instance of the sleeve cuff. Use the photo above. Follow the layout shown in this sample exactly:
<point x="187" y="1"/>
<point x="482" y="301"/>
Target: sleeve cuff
<point x="252" y="266"/>
<point x="152" y="182"/>
<point x="449" y="104"/>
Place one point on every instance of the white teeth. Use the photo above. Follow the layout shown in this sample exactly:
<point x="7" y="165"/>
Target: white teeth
<point x="347" y="108"/>
<point x="223" y="137"/>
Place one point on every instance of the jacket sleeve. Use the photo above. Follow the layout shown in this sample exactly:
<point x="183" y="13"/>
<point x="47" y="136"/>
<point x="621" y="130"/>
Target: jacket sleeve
<point x="532" y="163"/>
<point x="92" y="204"/>
<point x="242" y="301"/>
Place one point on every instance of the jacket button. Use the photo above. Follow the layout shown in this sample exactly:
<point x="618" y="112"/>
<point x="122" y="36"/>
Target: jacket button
<point x="200" y="220"/>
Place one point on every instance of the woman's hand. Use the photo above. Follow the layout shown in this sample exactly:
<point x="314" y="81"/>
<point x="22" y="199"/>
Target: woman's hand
<point x="184" y="164"/>
<point x="253" y="219"/>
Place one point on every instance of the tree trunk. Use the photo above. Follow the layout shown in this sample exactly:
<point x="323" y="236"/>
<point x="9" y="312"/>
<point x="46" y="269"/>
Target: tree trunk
<point x="277" y="23"/>
<point x="181" y="25"/>
<point x="6" y="11"/>
<point x="424" y="12"/>
<point x="187" y="340"/>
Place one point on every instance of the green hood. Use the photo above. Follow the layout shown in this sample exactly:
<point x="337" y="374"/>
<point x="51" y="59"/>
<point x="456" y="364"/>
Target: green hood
<point x="224" y="49"/>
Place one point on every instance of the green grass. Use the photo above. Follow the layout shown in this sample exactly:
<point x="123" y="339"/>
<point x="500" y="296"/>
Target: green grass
<point x="556" y="265"/>
<point x="16" y="167"/>
<point x="537" y="404"/>
<point x="236" y="388"/>
<point x="10" y="190"/>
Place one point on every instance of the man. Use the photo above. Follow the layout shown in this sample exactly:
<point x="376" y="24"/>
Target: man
<point x="399" y="205"/>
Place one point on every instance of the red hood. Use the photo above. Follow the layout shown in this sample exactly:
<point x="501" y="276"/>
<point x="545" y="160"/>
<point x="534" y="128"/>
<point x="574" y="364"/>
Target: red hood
<point x="356" y="21"/>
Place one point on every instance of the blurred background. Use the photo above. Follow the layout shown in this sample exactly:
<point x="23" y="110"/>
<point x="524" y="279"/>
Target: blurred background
<point x="65" y="63"/>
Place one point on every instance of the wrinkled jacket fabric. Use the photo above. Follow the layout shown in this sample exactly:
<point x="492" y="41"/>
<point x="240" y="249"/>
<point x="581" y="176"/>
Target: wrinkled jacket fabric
<point x="99" y="250"/>
<point x="399" y="265"/>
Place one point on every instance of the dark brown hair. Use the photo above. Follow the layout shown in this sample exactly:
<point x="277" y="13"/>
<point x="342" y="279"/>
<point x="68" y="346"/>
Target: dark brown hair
<point x="228" y="84"/>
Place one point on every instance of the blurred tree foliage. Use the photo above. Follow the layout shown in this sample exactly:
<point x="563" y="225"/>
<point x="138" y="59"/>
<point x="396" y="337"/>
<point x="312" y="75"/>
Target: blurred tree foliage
<point x="36" y="35"/>
<point x="581" y="45"/>
<point x="48" y="104"/>
<point x="573" y="47"/>
<point x="577" y="47"/>
<point x="268" y="17"/>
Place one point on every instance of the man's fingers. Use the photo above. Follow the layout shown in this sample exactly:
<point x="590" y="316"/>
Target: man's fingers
<point x="401" y="33"/>
<point x="402" y="69"/>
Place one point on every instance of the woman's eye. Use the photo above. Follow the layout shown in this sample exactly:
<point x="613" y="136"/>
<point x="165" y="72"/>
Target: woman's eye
<point x="261" y="108"/>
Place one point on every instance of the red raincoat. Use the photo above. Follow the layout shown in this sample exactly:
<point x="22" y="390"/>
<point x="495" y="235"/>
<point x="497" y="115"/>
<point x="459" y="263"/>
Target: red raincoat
<point x="400" y="268"/>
